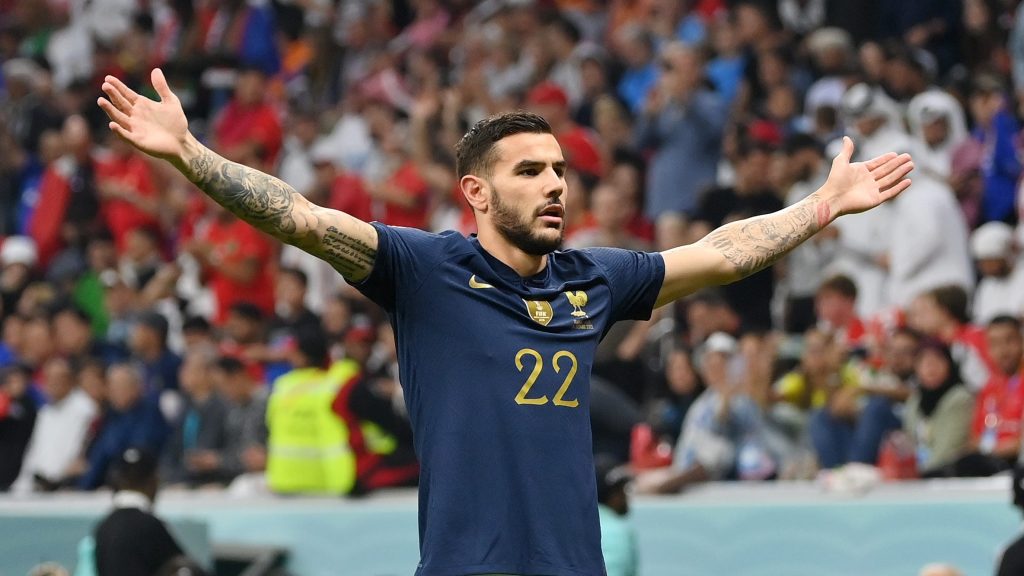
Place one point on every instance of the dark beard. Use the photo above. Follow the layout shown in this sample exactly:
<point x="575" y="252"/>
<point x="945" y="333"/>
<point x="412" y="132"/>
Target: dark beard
<point x="518" y="232"/>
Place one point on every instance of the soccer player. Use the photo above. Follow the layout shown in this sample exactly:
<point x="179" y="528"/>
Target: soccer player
<point x="496" y="333"/>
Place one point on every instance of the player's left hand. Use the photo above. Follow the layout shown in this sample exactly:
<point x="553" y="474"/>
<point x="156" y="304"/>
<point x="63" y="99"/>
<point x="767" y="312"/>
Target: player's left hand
<point x="859" y="186"/>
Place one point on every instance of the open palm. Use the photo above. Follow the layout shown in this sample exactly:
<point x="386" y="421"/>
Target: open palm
<point x="860" y="186"/>
<point x="157" y="128"/>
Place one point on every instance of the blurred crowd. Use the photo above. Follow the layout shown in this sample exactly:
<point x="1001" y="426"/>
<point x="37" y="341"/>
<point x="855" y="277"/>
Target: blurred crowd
<point x="138" y="314"/>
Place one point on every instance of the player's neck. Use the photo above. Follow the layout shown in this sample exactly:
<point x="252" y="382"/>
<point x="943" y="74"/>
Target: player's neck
<point x="523" y="263"/>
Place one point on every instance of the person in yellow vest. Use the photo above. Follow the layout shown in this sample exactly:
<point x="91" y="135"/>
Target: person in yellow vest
<point x="308" y="449"/>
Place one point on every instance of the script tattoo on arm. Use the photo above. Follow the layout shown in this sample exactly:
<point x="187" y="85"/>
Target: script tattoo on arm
<point x="276" y="208"/>
<point x="754" y="244"/>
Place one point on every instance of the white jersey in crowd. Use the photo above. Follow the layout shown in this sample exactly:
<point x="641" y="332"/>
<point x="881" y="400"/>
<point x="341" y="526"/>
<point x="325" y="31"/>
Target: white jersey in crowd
<point x="928" y="244"/>
<point x="999" y="296"/>
<point x="936" y="161"/>
<point x="58" y="438"/>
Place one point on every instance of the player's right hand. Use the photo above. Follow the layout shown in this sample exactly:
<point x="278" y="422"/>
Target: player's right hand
<point x="157" y="128"/>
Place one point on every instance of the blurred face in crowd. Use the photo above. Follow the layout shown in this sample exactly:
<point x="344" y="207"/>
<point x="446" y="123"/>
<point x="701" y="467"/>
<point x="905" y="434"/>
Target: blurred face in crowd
<point x="609" y="210"/>
<point x="38" y="343"/>
<point x="194" y="375"/>
<point x="925" y="315"/>
<point x="92" y="379"/>
<point x="143" y="339"/>
<point x="58" y="381"/>
<point x="1006" y="347"/>
<point x="818" y="354"/>
<point x="233" y="386"/>
<point x="15" y="383"/>
<point x="124" y="387"/>
<point x="101" y="254"/>
<point x="997" y="267"/>
<point x="249" y="87"/>
<point x="868" y="124"/>
<point x="932" y="369"/>
<point x="977" y="17"/>
<point x="901" y="355"/>
<point x="526" y="185"/>
<point x="633" y="47"/>
<point x="872" y="60"/>
<point x="291" y="292"/>
<point x="984" y="105"/>
<point x="782" y="103"/>
<point x="14" y="333"/>
<point x="76" y="137"/>
<point x="141" y="247"/>
<point x="682" y="70"/>
<point x="305" y="130"/>
<point x="833" y="308"/>
<point x="679" y="373"/>
<point x="51" y="146"/>
<point x="751" y="24"/>
<point x="72" y="334"/>
<point x="714" y="369"/>
<point x="723" y="37"/>
<point x="754" y="171"/>
<point x="337" y="315"/>
<point x="936" y="132"/>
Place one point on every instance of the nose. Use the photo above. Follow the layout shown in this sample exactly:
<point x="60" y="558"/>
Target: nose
<point x="554" y="185"/>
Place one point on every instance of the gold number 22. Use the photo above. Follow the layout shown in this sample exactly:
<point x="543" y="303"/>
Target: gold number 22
<point x="538" y="366"/>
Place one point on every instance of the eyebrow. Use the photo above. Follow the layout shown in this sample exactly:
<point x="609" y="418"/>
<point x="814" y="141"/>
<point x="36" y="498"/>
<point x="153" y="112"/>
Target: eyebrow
<point x="524" y="164"/>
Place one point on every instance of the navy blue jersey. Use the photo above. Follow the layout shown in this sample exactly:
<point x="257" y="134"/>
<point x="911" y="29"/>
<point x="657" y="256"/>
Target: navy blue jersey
<point x="496" y="374"/>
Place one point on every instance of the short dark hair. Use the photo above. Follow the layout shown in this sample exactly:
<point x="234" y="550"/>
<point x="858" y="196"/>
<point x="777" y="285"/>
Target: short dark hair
<point x="953" y="300"/>
<point x="247" y="310"/>
<point x="297" y="274"/>
<point x="841" y="285"/>
<point x="475" y="151"/>
<point x="1006" y="320"/>
<point x="230" y="365"/>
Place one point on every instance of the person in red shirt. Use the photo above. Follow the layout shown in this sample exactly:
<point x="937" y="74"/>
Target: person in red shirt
<point x="401" y="194"/>
<point x="128" y="196"/>
<point x="337" y="187"/>
<point x="581" y="152"/>
<point x="237" y="261"/>
<point x="248" y="129"/>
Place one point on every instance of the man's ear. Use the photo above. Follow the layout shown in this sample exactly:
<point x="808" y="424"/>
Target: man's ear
<point x="476" y="192"/>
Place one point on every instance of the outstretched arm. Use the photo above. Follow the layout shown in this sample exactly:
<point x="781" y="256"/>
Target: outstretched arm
<point x="161" y="130"/>
<point x="739" y="249"/>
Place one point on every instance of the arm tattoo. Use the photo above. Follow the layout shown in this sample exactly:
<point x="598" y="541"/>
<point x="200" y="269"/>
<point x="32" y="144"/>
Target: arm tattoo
<point x="756" y="243"/>
<point x="270" y="205"/>
<point x="258" y="198"/>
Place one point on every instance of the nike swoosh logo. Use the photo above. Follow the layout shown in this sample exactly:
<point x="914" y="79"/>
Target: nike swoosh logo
<point x="474" y="283"/>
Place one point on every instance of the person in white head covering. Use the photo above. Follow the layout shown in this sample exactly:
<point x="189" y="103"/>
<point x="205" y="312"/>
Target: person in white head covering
<point x="1001" y="288"/>
<point x="938" y="127"/>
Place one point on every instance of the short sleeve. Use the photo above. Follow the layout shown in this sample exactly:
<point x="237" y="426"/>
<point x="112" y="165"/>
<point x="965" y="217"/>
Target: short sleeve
<point x="405" y="256"/>
<point x="634" y="279"/>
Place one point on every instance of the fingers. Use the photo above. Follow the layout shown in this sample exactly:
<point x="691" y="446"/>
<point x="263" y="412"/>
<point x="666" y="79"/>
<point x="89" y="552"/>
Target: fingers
<point x="847" y="152"/>
<point x="113" y="113"/>
<point x="129" y="95"/>
<point x="895" y="175"/>
<point x="120" y="131"/>
<point x="895" y="190"/>
<point x="160" y="83"/>
<point x="894" y="163"/>
<point x="879" y="161"/>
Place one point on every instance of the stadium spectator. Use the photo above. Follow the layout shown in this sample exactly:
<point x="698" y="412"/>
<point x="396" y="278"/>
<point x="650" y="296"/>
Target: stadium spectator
<point x="194" y="455"/>
<point x="148" y="344"/>
<point x="683" y="387"/>
<point x="581" y="149"/>
<point x="131" y="539"/>
<point x="128" y="195"/>
<point x="18" y="258"/>
<point x="995" y="440"/>
<point x="309" y="446"/>
<point x="17" y="419"/>
<point x="835" y="307"/>
<point x="994" y="130"/>
<point x="133" y="420"/>
<point x="1001" y="287"/>
<point x="245" y="423"/>
<point x="611" y="218"/>
<point x="941" y="313"/>
<point x="682" y="124"/>
<point x="939" y="410"/>
<point x="804" y="170"/>
<point x="722" y="427"/>
<point x="938" y="127"/>
<point x="62" y="429"/>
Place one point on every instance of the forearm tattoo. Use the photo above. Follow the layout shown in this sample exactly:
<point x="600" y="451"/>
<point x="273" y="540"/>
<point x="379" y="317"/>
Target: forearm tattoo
<point x="754" y="244"/>
<point x="271" y="206"/>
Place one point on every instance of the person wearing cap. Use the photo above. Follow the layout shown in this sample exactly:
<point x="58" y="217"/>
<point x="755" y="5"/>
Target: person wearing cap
<point x="1011" y="559"/>
<point x="937" y="126"/>
<point x="131" y="540"/>
<point x="722" y="433"/>
<point x="18" y="259"/>
<point x="549" y="100"/>
<point x="497" y="333"/>
<point x="618" y="538"/>
<point x="1001" y="287"/>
